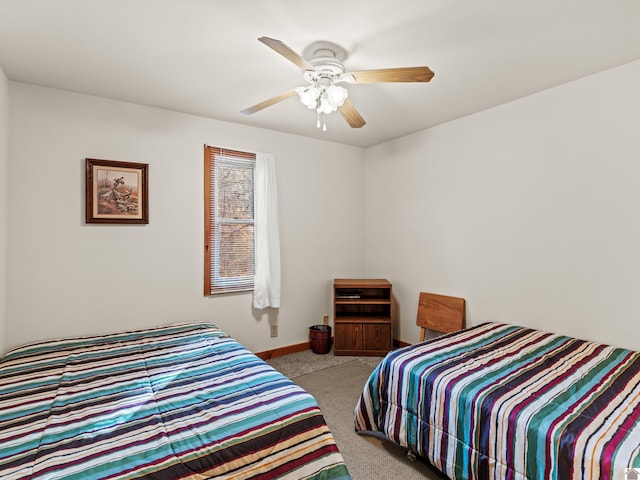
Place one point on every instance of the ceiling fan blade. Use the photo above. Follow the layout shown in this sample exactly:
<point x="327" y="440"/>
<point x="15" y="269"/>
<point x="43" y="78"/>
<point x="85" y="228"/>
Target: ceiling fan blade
<point x="286" y="52"/>
<point x="351" y="115"/>
<point x="267" y="103"/>
<point x="407" y="74"/>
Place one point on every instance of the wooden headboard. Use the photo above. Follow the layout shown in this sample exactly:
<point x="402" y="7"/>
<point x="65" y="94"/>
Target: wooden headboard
<point x="440" y="313"/>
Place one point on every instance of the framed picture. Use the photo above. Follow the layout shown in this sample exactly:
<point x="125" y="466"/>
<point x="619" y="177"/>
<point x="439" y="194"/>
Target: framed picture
<point x="116" y="192"/>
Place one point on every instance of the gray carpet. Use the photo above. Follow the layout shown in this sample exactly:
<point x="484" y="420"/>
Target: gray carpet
<point x="336" y="383"/>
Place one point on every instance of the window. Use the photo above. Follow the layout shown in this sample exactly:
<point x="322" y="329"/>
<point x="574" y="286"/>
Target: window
<point x="229" y="255"/>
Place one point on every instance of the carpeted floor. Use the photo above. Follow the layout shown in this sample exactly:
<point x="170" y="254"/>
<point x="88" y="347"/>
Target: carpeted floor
<point x="336" y="383"/>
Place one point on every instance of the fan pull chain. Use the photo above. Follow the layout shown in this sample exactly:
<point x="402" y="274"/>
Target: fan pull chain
<point x="324" y="122"/>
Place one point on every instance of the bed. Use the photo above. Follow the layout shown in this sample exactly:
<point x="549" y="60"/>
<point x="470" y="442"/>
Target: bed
<point x="175" y="402"/>
<point x="499" y="401"/>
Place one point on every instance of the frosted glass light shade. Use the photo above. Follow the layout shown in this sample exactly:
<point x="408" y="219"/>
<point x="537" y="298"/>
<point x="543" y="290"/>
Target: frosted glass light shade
<point x="308" y="95"/>
<point x="324" y="99"/>
<point x="337" y="95"/>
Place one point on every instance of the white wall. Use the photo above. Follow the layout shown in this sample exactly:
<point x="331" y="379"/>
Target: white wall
<point x="4" y="185"/>
<point x="531" y="211"/>
<point x="69" y="278"/>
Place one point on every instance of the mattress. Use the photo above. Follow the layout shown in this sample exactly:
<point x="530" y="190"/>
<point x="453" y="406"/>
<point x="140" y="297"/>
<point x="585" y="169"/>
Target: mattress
<point x="178" y="402"/>
<point x="499" y="401"/>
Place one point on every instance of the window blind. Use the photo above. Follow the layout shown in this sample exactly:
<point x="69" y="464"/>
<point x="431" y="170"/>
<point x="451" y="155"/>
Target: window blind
<point x="229" y="220"/>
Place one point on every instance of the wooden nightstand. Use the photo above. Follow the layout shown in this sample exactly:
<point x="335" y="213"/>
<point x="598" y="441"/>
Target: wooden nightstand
<point x="362" y="317"/>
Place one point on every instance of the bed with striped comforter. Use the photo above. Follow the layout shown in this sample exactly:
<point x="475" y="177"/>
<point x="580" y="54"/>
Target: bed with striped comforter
<point x="503" y="402"/>
<point x="177" y="402"/>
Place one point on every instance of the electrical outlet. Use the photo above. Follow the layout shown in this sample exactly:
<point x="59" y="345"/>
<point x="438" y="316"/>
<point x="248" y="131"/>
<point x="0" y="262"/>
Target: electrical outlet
<point x="325" y="319"/>
<point x="274" y="331"/>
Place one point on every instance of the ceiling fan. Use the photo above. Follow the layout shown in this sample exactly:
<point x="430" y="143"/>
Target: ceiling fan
<point x="324" y="71"/>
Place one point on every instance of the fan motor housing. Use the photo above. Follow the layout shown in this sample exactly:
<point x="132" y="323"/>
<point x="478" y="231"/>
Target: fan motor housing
<point x="327" y="57"/>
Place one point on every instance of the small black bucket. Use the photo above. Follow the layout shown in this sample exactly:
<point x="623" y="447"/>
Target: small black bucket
<point x="320" y="338"/>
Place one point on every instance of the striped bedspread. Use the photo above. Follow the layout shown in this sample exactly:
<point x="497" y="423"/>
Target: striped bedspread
<point x="178" y="402"/>
<point x="503" y="402"/>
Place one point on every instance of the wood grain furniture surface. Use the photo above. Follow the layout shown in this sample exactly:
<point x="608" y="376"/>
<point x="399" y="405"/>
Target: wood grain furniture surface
<point x="440" y="313"/>
<point x="362" y="316"/>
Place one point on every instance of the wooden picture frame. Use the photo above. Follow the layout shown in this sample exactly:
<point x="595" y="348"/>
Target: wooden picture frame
<point x="116" y="192"/>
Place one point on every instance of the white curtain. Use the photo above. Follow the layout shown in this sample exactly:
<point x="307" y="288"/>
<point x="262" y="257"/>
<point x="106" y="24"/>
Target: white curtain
<point x="266" y="289"/>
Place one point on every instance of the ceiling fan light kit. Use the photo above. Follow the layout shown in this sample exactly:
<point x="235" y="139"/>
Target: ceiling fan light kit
<point x="324" y="99"/>
<point x="323" y="71"/>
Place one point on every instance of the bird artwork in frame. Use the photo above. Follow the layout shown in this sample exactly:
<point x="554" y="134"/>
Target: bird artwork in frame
<point x="116" y="192"/>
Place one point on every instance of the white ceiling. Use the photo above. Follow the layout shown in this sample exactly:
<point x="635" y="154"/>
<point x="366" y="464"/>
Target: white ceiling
<point x="203" y="57"/>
